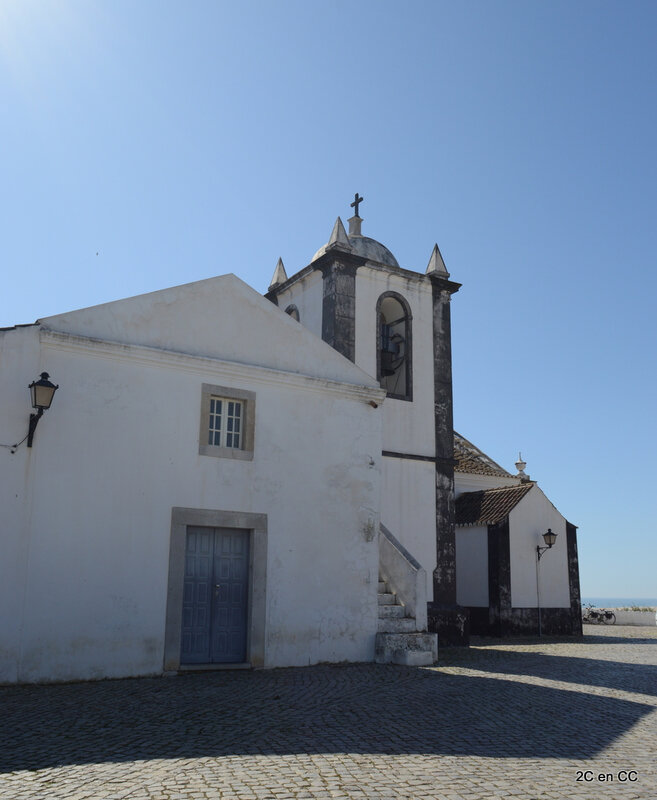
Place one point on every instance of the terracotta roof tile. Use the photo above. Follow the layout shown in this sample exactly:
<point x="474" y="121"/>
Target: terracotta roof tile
<point x="489" y="506"/>
<point x="471" y="459"/>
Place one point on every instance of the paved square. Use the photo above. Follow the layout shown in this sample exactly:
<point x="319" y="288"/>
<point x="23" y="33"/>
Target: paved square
<point x="529" y="720"/>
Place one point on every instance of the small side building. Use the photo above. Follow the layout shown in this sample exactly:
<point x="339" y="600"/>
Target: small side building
<point x="500" y="522"/>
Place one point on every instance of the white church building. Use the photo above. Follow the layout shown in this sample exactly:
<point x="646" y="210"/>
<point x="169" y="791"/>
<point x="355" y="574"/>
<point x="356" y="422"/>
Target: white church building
<point x="225" y="479"/>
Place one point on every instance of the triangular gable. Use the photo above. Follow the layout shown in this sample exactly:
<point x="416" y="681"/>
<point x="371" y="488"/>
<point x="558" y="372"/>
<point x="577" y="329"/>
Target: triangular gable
<point x="221" y="318"/>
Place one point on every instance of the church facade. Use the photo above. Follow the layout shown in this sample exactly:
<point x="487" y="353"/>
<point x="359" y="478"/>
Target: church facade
<point x="226" y="479"/>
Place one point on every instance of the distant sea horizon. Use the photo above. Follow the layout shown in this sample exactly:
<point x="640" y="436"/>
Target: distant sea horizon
<point x="618" y="602"/>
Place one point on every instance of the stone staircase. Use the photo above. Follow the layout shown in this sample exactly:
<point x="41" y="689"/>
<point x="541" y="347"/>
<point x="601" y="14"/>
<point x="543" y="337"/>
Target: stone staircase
<point x="398" y="640"/>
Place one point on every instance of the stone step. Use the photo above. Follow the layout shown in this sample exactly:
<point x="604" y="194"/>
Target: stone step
<point x="383" y="587"/>
<point x="387" y="599"/>
<point x="413" y="658"/>
<point x="388" y="612"/>
<point x="411" y="649"/>
<point x="396" y="625"/>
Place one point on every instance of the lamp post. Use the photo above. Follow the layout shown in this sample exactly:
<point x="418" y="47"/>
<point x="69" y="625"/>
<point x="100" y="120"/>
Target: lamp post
<point x="549" y="537"/>
<point x="41" y="393"/>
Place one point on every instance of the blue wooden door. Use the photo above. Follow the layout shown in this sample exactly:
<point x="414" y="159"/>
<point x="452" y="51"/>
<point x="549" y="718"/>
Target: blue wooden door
<point x="215" y="598"/>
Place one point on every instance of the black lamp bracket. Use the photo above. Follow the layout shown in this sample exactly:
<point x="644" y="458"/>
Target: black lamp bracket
<point x="540" y="550"/>
<point x="34" y="421"/>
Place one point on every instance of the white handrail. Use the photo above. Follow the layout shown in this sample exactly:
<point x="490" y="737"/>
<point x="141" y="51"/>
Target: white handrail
<point x="405" y="577"/>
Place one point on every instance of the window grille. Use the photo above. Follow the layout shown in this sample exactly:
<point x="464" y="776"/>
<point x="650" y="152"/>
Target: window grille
<point x="394" y="352"/>
<point x="225" y="428"/>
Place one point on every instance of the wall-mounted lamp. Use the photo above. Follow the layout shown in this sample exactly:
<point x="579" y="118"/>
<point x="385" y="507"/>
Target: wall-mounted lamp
<point x="549" y="538"/>
<point x="41" y="393"/>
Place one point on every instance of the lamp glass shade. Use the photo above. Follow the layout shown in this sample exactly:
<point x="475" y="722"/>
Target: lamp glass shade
<point x="42" y="392"/>
<point x="550" y="537"/>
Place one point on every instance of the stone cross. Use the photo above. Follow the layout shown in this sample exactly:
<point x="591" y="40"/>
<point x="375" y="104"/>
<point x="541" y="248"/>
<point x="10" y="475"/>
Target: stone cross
<point x="356" y="203"/>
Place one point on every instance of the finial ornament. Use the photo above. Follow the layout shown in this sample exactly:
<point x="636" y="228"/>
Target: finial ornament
<point x="339" y="238"/>
<point x="357" y="201"/>
<point x="280" y="276"/>
<point x="436" y="263"/>
<point x="520" y="466"/>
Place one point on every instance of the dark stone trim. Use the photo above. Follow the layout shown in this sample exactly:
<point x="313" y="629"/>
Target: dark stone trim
<point x="339" y="300"/>
<point x="479" y="620"/>
<point x="444" y="576"/>
<point x="409" y="274"/>
<point x="573" y="578"/>
<point x="451" y="623"/>
<point x="443" y="284"/>
<point x="524" y="622"/>
<point x="326" y="261"/>
<point x="392" y="454"/>
<point x="408" y="336"/>
<point x="272" y="293"/>
<point x="499" y="577"/>
<point x="500" y="618"/>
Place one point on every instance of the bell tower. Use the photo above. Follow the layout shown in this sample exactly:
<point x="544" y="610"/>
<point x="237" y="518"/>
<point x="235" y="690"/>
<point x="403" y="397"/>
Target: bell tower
<point x="395" y="324"/>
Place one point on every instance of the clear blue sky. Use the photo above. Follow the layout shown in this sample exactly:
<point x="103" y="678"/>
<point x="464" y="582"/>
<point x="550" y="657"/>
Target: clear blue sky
<point x="147" y="144"/>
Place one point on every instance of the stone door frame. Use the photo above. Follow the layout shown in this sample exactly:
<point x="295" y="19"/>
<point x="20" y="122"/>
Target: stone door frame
<point x="256" y="524"/>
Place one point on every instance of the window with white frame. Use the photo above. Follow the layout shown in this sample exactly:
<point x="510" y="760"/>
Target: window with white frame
<point x="227" y="422"/>
<point x="225" y="428"/>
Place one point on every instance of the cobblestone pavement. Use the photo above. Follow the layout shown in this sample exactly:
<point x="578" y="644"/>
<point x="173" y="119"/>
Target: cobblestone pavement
<point x="528" y="720"/>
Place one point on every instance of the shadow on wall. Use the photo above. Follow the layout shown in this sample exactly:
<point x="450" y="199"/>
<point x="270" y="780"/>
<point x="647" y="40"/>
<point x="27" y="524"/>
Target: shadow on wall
<point x="358" y="709"/>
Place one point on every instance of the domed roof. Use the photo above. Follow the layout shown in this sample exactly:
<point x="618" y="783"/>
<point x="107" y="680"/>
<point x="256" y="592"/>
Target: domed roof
<point x="360" y="245"/>
<point x="367" y="248"/>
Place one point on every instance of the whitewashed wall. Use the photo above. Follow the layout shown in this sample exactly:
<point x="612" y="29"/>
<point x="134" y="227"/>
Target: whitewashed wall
<point x="87" y="511"/>
<point x="409" y="496"/>
<point x="20" y="364"/>
<point x="307" y="295"/>
<point x="408" y="509"/>
<point x="472" y="566"/>
<point x="408" y="427"/>
<point x="528" y="521"/>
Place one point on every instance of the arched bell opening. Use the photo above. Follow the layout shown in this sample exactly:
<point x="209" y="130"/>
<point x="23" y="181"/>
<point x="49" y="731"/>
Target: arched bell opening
<point x="394" y="351"/>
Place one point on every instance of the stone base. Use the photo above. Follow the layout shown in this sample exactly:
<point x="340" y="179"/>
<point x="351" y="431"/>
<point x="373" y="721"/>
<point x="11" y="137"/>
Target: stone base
<point x="393" y="647"/>
<point x="451" y="623"/>
<point x="413" y="658"/>
<point x="524" y="622"/>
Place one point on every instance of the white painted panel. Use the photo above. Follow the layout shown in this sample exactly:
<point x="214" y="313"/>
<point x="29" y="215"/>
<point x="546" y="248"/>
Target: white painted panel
<point x="20" y="364"/>
<point x="87" y="545"/>
<point x="307" y="295"/>
<point x="527" y="523"/>
<point x="408" y="509"/>
<point x="220" y="318"/>
<point x="408" y="427"/>
<point x="472" y="566"/>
